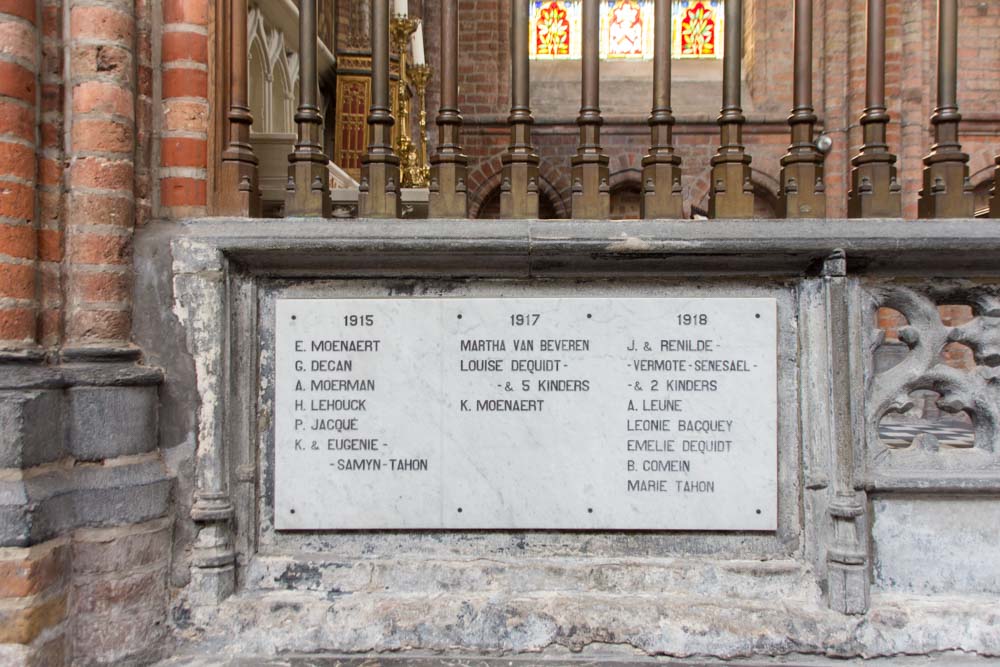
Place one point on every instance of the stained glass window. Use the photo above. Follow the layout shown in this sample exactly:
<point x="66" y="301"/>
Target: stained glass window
<point x="697" y="29"/>
<point x="626" y="29"/>
<point x="555" y="29"/>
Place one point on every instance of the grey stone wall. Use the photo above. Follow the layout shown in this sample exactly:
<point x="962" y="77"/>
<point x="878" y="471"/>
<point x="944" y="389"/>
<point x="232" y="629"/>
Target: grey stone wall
<point x="865" y="562"/>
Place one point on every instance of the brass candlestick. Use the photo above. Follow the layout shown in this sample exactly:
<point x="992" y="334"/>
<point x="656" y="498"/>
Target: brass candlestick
<point x="420" y="171"/>
<point x="400" y="29"/>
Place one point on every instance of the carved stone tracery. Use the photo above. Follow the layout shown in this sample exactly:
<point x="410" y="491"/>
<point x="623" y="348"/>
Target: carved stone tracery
<point x="975" y="392"/>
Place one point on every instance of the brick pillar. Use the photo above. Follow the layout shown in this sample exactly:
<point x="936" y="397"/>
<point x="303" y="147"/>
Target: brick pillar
<point x="101" y="150"/>
<point x="19" y="57"/>
<point x="184" y="144"/>
<point x="143" y="111"/>
<point x="50" y="176"/>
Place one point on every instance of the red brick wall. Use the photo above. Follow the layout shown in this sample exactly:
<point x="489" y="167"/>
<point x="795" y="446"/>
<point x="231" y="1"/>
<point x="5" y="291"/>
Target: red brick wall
<point x="183" y="174"/>
<point x="51" y="160"/>
<point x="102" y="172"/>
<point x="19" y="51"/>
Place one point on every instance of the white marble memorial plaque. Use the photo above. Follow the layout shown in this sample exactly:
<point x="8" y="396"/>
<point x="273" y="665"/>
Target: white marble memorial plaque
<point x="519" y="413"/>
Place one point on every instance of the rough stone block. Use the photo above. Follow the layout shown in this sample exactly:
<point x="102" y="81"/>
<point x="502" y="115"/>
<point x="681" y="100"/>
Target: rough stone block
<point x="123" y="548"/>
<point x="31" y="428"/>
<point x="107" y="422"/>
<point x="113" y="593"/>
<point x="122" y="494"/>
<point x="126" y="638"/>
<point x="34" y="570"/>
<point x="211" y="585"/>
<point x="20" y="625"/>
<point x="15" y="517"/>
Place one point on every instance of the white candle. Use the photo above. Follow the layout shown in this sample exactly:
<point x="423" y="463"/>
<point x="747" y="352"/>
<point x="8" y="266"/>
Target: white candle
<point x="400" y="7"/>
<point x="418" y="44"/>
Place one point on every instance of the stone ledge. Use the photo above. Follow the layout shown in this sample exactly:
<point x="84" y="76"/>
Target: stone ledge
<point x="513" y="248"/>
<point x="735" y="579"/>
<point x="683" y="627"/>
<point x="590" y="659"/>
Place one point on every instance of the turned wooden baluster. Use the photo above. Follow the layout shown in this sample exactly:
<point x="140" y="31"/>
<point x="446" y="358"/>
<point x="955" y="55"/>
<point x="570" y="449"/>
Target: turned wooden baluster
<point x="661" y="167"/>
<point x="591" y="194"/>
<point x="803" y="193"/>
<point x="875" y="191"/>
<point x="731" y="193"/>
<point x="995" y="192"/>
<point x="239" y="191"/>
<point x="947" y="192"/>
<point x="308" y="191"/>
<point x="519" y="185"/>
<point x="379" y="191"/>
<point x="449" y="166"/>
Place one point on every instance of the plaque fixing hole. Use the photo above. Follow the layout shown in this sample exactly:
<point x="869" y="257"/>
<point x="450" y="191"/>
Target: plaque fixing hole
<point x="589" y="316"/>
<point x="292" y="511"/>
<point x="459" y="509"/>
<point x="757" y="316"/>
<point x="293" y="317"/>
<point x="460" y="316"/>
<point x="590" y="510"/>
<point x="758" y="511"/>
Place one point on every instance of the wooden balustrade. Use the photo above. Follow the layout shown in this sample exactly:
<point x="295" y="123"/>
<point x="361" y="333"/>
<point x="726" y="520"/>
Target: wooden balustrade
<point x="448" y="189"/>
<point x="519" y="182"/>
<point x="875" y="190"/>
<point x="803" y="192"/>
<point x="661" y="168"/>
<point x="239" y="192"/>
<point x="591" y="192"/>
<point x="308" y="191"/>
<point x="379" y="190"/>
<point x="731" y="193"/>
<point x="947" y="192"/>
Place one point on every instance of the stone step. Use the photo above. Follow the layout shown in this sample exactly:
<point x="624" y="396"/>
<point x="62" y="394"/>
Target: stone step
<point x="776" y="579"/>
<point x="685" y="627"/>
<point x="609" y="660"/>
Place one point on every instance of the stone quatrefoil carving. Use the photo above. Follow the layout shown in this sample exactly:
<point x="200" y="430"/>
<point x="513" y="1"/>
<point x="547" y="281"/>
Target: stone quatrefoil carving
<point x="976" y="392"/>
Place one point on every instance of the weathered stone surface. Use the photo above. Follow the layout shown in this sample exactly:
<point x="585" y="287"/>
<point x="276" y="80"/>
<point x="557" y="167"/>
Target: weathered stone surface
<point x="928" y="546"/>
<point x="59" y="498"/>
<point x="126" y="638"/>
<point x="106" y="422"/>
<point x="676" y="626"/>
<point x="735" y="579"/>
<point x="597" y="658"/>
<point x="31" y="428"/>
<point x="33" y="570"/>
<point x="120" y="593"/>
<point x="473" y="595"/>
<point x="21" y="623"/>
<point x="121" y="548"/>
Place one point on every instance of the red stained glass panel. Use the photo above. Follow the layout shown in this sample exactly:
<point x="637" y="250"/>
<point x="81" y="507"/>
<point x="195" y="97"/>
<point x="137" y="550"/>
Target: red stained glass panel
<point x="552" y="30"/>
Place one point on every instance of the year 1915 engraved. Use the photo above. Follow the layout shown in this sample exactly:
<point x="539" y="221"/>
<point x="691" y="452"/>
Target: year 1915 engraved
<point x="359" y="320"/>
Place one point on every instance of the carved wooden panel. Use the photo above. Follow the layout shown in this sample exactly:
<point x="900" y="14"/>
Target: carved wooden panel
<point x="350" y="138"/>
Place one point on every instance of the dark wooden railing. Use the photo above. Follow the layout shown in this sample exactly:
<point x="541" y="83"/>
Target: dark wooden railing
<point x="875" y="190"/>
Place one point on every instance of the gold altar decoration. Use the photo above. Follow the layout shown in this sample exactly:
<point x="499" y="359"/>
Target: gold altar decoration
<point x="409" y="142"/>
